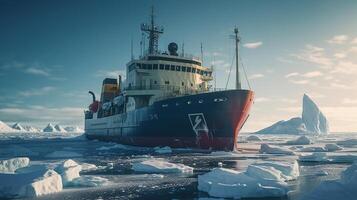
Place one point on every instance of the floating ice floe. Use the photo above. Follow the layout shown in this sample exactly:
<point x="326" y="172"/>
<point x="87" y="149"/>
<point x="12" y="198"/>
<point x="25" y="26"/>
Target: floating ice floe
<point x="345" y="188"/>
<point x="302" y="140"/>
<point x="163" y="150"/>
<point x="70" y="173"/>
<point x="11" y="165"/>
<point x="223" y="153"/>
<point x="30" y="183"/>
<point x="312" y="149"/>
<point x="324" y="157"/>
<point x="259" y="180"/>
<point x="332" y="147"/>
<point x="63" y="154"/>
<point x="160" y="166"/>
<point x="253" y="138"/>
<point x="271" y="149"/>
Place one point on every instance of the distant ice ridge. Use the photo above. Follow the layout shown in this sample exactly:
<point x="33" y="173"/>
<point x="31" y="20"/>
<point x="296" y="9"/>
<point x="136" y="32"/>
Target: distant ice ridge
<point x="266" y="179"/>
<point x="51" y="128"/>
<point x="345" y="188"/>
<point x="313" y="121"/>
<point x="160" y="166"/>
<point x="4" y="128"/>
<point x="74" y="129"/>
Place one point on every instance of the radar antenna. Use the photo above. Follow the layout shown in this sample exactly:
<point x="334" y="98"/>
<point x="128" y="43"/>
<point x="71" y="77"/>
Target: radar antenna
<point x="153" y="32"/>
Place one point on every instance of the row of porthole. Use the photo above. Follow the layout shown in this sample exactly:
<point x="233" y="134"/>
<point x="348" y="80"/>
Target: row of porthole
<point x="216" y="100"/>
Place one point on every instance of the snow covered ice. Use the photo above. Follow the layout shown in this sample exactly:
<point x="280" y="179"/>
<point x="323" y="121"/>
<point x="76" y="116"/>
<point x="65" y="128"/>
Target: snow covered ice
<point x="302" y="140"/>
<point x="11" y="165"/>
<point x="272" y="149"/>
<point x="160" y="166"/>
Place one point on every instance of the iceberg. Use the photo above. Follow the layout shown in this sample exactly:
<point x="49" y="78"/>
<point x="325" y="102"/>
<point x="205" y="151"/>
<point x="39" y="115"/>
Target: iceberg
<point x="11" y="165"/>
<point x="49" y="128"/>
<point x="4" y="128"/>
<point x="253" y="138"/>
<point x="60" y="129"/>
<point x="312" y="121"/>
<point x="302" y="140"/>
<point x="18" y="127"/>
<point x="160" y="166"/>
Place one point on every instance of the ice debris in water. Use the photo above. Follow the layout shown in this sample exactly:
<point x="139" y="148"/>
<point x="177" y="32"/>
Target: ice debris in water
<point x="253" y="138"/>
<point x="259" y="180"/>
<point x="163" y="150"/>
<point x="160" y="166"/>
<point x="348" y="142"/>
<point x="272" y="149"/>
<point x="32" y="182"/>
<point x="11" y="165"/>
<point x="332" y="147"/>
<point x="70" y="172"/>
<point x="324" y="157"/>
<point x="345" y="188"/>
<point x="302" y="140"/>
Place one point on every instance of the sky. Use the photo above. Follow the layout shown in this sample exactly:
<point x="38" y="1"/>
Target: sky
<point x="53" y="52"/>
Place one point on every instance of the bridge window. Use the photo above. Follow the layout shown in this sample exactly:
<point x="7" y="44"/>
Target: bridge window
<point x="167" y="82"/>
<point x="198" y="71"/>
<point x="138" y="65"/>
<point x="167" y="67"/>
<point x="161" y="66"/>
<point x="149" y="66"/>
<point x="188" y="69"/>
<point x="144" y="66"/>
<point x="193" y="70"/>
<point x="178" y="68"/>
<point x="172" y="67"/>
<point x="201" y="72"/>
<point x="182" y="83"/>
<point x="183" y="68"/>
<point x="155" y="66"/>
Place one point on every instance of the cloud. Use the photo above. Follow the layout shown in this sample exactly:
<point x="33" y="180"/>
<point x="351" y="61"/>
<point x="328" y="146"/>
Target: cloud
<point x="345" y="67"/>
<point x="338" y="39"/>
<point x="292" y="74"/>
<point x="300" y="82"/>
<point x="354" y="41"/>
<point x="340" y="86"/>
<point x="37" y="92"/>
<point x="37" y="71"/>
<point x="256" y="76"/>
<point x="315" y="55"/>
<point x="261" y="99"/>
<point x="349" y="101"/>
<point x="253" y="45"/>
<point x="312" y="74"/>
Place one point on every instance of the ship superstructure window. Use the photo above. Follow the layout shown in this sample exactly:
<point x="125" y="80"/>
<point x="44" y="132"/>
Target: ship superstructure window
<point x="155" y="66"/>
<point x="172" y="68"/>
<point x="144" y="66"/>
<point x="138" y="65"/>
<point x="167" y="67"/>
<point x="182" y="83"/>
<point x="183" y="68"/>
<point x="193" y="70"/>
<point x="162" y="67"/>
<point x="167" y="82"/>
<point x="188" y="69"/>
<point x="178" y="68"/>
<point x="149" y="66"/>
<point x="198" y="71"/>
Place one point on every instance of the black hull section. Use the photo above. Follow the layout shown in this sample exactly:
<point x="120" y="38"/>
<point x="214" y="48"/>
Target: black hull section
<point x="206" y="121"/>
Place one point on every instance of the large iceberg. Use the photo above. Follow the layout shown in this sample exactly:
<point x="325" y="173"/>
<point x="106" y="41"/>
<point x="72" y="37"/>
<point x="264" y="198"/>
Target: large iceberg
<point x="60" y="129"/>
<point x="49" y="128"/>
<point x="18" y="126"/>
<point x="4" y="128"/>
<point x="312" y="121"/>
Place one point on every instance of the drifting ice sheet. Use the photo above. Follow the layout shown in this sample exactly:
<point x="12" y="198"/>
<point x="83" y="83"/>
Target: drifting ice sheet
<point x="271" y="149"/>
<point x="160" y="166"/>
<point x="11" y="165"/>
<point x="302" y="140"/>
<point x="260" y="180"/>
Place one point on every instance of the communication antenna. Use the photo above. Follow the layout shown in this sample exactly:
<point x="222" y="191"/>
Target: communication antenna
<point x="153" y="32"/>
<point x="183" y="49"/>
<point x="132" y="54"/>
<point x="237" y="39"/>
<point x="201" y="53"/>
<point x="214" y="71"/>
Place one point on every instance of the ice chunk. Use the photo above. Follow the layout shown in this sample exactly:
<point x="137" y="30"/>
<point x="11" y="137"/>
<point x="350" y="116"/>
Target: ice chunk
<point x="271" y="149"/>
<point x="69" y="170"/>
<point x="264" y="172"/>
<point x="163" y="150"/>
<point x="160" y="166"/>
<point x="31" y="184"/>
<point x="314" y="120"/>
<point x="314" y="157"/>
<point x="253" y="138"/>
<point x="332" y="147"/>
<point x="18" y="127"/>
<point x="227" y="183"/>
<point x="312" y="149"/>
<point x="302" y="140"/>
<point x="90" y="181"/>
<point x="289" y="171"/>
<point x="223" y="153"/>
<point x="11" y="165"/>
<point x="63" y="154"/>
<point x="60" y="129"/>
<point x="345" y="188"/>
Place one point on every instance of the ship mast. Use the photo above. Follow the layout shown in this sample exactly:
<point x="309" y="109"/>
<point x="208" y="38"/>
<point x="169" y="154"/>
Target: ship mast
<point x="237" y="39"/>
<point x="153" y="32"/>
